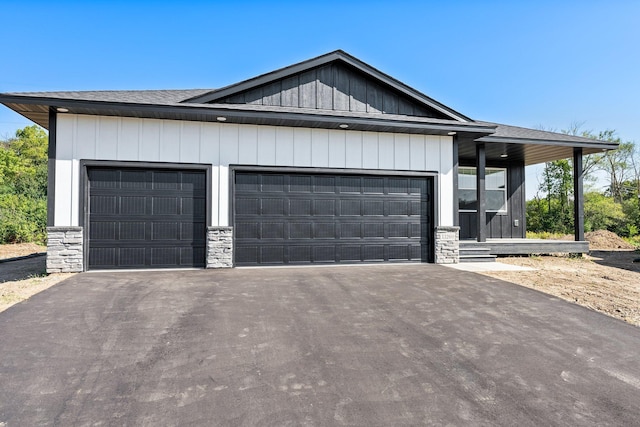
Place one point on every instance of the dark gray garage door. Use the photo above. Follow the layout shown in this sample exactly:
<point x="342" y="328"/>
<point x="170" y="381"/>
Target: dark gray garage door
<point x="292" y="218"/>
<point x="140" y="218"/>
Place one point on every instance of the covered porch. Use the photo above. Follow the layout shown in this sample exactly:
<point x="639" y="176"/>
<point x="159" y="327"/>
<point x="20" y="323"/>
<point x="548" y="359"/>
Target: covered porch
<point x="489" y="187"/>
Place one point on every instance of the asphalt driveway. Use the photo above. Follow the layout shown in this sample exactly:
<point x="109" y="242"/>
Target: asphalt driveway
<point x="376" y="345"/>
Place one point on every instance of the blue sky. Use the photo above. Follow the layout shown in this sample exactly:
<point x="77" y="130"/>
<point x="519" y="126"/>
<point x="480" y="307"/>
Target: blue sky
<point x="535" y="63"/>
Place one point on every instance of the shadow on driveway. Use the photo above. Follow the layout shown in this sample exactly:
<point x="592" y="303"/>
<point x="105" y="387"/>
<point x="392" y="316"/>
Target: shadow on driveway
<point x="368" y="345"/>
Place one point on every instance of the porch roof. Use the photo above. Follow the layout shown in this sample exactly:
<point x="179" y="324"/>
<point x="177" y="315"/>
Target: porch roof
<point x="531" y="146"/>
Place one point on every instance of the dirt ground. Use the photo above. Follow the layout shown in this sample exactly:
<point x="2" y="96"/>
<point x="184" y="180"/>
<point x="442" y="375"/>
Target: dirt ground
<point x="23" y="278"/>
<point x="607" y="281"/>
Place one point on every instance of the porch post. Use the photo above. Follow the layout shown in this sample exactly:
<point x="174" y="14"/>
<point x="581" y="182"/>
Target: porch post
<point x="578" y="195"/>
<point x="481" y="163"/>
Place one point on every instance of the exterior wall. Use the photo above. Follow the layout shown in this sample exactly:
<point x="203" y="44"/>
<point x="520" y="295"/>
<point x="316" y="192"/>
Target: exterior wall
<point x="502" y="225"/>
<point x="82" y="137"/>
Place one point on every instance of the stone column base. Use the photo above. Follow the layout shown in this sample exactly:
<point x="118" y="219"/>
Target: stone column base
<point x="65" y="250"/>
<point x="447" y="245"/>
<point x="219" y="247"/>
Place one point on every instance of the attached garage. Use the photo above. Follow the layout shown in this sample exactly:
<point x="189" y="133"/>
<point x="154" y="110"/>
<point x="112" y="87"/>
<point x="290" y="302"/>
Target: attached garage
<point x="145" y="218"/>
<point x="304" y="218"/>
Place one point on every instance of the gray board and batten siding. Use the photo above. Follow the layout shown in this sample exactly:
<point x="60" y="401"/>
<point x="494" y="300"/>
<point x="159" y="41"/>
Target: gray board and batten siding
<point x="333" y="87"/>
<point x="501" y="225"/>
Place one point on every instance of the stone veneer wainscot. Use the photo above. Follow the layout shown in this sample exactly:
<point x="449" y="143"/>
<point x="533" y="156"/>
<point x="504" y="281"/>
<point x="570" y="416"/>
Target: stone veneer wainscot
<point x="64" y="250"/>
<point x="447" y="245"/>
<point x="219" y="247"/>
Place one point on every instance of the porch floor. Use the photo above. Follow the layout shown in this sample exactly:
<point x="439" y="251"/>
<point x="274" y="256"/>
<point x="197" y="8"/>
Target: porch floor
<point x="528" y="246"/>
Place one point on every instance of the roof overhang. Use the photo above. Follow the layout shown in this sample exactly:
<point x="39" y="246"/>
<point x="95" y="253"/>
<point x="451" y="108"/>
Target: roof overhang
<point x="37" y="109"/>
<point x="529" y="151"/>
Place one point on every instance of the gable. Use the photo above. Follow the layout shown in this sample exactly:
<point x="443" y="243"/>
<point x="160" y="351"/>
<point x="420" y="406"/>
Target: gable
<point x="335" y="81"/>
<point x="336" y="87"/>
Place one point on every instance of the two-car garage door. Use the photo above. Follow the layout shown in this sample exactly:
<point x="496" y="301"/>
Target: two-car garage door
<point x="300" y="218"/>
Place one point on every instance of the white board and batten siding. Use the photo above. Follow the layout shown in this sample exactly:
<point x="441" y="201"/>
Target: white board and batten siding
<point x="82" y="137"/>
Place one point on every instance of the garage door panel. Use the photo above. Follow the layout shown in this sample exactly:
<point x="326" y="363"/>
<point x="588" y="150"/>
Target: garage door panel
<point x="373" y="253"/>
<point x="246" y="254"/>
<point x="194" y="181"/>
<point x="146" y="218"/>
<point x="374" y="230"/>
<point x="324" y="184"/>
<point x="300" y="184"/>
<point x="300" y="254"/>
<point x="247" y="230"/>
<point x="331" y="219"/>
<point x="351" y="230"/>
<point x="398" y="185"/>
<point x="133" y="179"/>
<point x="300" y="230"/>
<point x="132" y="257"/>
<point x="165" y="256"/>
<point x="272" y="254"/>
<point x="104" y="178"/>
<point x="133" y="205"/>
<point x="104" y="204"/>
<point x="350" y="207"/>
<point x="373" y="208"/>
<point x="273" y="183"/>
<point x="272" y="207"/>
<point x="102" y="257"/>
<point x="103" y="230"/>
<point x="129" y="230"/>
<point x="351" y="184"/>
<point x="351" y="253"/>
<point x="248" y="206"/>
<point x="324" y="207"/>
<point x="272" y="230"/>
<point x="165" y="205"/>
<point x="300" y="207"/>
<point x="373" y="185"/>
<point x="165" y="180"/>
<point x="248" y="183"/>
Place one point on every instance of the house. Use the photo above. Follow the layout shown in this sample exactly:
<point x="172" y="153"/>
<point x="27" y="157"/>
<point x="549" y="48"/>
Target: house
<point x="325" y="161"/>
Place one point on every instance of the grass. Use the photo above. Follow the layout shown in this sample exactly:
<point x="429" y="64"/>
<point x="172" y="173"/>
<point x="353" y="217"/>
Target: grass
<point x="545" y="235"/>
<point x="635" y="241"/>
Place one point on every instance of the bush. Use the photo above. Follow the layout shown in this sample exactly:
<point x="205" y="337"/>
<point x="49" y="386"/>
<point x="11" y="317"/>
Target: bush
<point x="603" y="213"/>
<point x="22" y="219"/>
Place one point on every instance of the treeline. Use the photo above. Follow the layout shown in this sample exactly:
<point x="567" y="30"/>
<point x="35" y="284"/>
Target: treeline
<point x="611" y="195"/>
<point x="23" y="186"/>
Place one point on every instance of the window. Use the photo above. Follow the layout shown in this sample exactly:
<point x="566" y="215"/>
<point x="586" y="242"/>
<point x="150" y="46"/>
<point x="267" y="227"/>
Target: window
<point x="495" y="189"/>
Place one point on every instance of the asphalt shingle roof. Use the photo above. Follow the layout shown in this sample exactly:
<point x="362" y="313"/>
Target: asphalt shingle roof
<point x="516" y="132"/>
<point x="154" y="97"/>
<point x="179" y="96"/>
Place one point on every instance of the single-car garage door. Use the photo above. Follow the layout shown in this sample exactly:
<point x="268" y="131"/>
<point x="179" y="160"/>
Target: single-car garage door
<point x="297" y="218"/>
<point x="141" y="218"/>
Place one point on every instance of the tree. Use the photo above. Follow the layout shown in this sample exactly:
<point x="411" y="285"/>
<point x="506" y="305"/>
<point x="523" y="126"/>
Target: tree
<point x="616" y="209"/>
<point x="23" y="186"/>
<point x="556" y="213"/>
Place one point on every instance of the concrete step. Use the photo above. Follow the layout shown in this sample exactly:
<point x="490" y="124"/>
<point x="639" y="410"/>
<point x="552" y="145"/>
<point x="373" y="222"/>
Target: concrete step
<point x="474" y="250"/>
<point x="477" y="258"/>
<point x="473" y="253"/>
